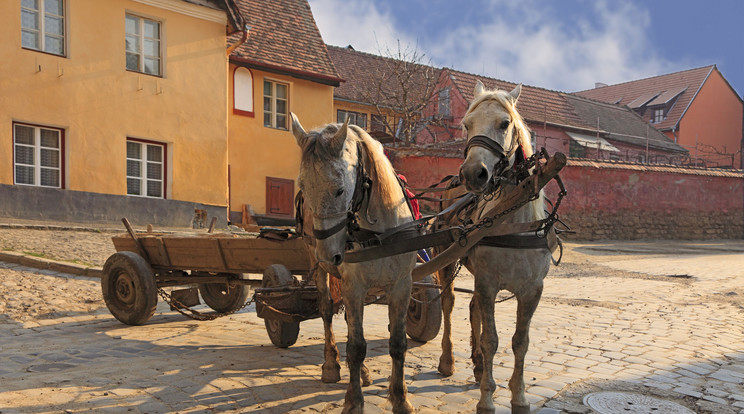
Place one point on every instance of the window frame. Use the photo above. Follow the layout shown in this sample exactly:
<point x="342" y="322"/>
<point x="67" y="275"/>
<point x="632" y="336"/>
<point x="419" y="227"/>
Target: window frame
<point x="273" y="98"/>
<point x="37" y="155"/>
<point x="355" y="116"/>
<point x="143" y="170"/>
<point x="444" y="107"/>
<point x="658" y="116"/>
<point x="236" y="101"/>
<point x="141" y="20"/>
<point x="42" y="32"/>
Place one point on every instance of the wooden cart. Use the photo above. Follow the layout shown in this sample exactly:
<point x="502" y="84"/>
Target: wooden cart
<point x="219" y="267"/>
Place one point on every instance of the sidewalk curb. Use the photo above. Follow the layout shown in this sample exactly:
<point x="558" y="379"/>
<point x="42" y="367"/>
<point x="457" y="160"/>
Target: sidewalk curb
<point x="53" y="265"/>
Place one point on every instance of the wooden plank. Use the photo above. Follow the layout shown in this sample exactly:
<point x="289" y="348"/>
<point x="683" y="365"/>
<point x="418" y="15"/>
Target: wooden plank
<point x="255" y="255"/>
<point x="194" y="253"/>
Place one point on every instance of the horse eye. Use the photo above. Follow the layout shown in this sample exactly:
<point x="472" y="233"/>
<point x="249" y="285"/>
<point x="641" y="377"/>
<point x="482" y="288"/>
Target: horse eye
<point x="339" y="192"/>
<point x="504" y="125"/>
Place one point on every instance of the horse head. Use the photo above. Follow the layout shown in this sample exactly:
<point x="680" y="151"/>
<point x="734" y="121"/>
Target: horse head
<point x="328" y="179"/>
<point x="495" y="131"/>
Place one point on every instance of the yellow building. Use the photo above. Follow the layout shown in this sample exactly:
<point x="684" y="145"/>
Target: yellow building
<point x="281" y="66"/>
<point x="114" y="108"/>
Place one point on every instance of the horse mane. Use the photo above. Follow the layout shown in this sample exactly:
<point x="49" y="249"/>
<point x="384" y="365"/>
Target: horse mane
<point x="505" y="100"/>
<point x="380" y="170"/>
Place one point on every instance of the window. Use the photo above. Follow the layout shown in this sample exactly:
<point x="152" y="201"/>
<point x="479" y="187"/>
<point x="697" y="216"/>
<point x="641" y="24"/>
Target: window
<point x="658" y="116"/>
<point x="243" y="92"/>
<point x="355" y="118"/>
<point x="43" y="25"/>
<point x="38" y="155"/>
<point x="443" y="103"/>
<point x="143" y="45"/>
<point x="275" y="104"/>
<point x="145" y="169"/>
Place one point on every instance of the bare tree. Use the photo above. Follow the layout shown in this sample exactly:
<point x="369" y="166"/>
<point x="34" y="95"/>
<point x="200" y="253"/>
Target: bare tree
<point x="401" y="87"/>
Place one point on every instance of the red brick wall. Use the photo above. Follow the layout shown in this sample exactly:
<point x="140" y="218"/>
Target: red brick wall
<point x="625" y="202"/>
<point x="647" y="202"/>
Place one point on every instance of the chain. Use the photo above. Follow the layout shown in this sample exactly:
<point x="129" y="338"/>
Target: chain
<point x="195" y="314"/>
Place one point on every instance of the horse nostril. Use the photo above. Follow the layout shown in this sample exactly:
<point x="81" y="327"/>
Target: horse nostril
<point x="337" y="259"/>
<point x="482" y="175"/>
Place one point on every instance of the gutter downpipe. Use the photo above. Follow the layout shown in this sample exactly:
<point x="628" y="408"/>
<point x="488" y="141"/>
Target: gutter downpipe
<point x="242" y="40"/>
<point x="228" y="52"/>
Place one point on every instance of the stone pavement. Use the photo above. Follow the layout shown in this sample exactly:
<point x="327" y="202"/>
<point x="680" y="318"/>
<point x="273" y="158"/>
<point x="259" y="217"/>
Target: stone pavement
<point x="626" y="316"/>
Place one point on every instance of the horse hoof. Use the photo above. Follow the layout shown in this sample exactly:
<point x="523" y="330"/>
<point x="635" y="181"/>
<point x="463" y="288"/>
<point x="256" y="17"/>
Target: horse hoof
<point x="520" y="409"/>
<point x="366" y="378"/>
<point x="331" y="377"/>
<point x="404" y="408"/>
<point x="331" y="373"/>
<point x="446" y="369"/>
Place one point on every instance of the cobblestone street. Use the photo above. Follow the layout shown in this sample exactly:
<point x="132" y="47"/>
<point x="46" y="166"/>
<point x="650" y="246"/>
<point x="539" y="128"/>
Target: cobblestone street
<point x="660" y="319"/>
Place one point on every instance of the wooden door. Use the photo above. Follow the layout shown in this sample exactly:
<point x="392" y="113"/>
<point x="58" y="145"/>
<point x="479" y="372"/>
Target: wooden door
<point x="279" y="197"/>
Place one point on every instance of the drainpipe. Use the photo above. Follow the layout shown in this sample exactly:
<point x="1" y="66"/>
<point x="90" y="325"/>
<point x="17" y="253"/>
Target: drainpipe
<point x="242" y="40"/>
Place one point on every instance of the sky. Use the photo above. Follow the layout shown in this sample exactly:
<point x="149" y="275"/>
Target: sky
<point x="564" y="45"/>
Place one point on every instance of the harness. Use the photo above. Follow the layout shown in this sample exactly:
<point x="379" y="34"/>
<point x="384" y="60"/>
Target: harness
<point x="546" y="235"/>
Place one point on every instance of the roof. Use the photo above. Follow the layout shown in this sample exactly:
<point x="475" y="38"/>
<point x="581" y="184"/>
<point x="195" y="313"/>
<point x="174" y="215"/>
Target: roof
<point x="358" y="68"/>
<point x="534" y="104"/>
<point x="284" y="38"/>
<point x="228" y="6"/>
<point x="620" y="123"/>
<point x="684" y="84"/>
<point x="539" y="105"/>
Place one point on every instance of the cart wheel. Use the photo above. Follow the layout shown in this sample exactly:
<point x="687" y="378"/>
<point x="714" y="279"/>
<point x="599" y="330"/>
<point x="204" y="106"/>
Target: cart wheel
<point x="424" y="313"/>
<point x="222" y="297"/>
<point x="128" y="286"/>
<point x="282" y="334"/>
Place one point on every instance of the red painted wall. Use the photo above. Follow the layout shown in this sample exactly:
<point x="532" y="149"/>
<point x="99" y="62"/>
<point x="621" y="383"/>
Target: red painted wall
<point x="622" y="201"/>
<point x="715" y="118"/>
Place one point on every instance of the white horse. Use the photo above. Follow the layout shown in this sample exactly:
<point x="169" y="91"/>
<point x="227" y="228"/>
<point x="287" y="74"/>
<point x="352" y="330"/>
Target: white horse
<point x="347" y="181"/>
<point x="495" y="132"/>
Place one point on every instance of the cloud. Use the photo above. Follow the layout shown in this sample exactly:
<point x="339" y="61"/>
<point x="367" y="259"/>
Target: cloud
<point x="364" y="24"/>
<point x="555" y="45"/>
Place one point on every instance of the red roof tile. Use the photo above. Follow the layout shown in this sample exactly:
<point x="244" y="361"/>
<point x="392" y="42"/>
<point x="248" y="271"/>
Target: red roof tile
<point x="628" y="93"/>
<point x="283" y="37"/>
<point x="359" y="68"/>
<point x="534" y="104"/>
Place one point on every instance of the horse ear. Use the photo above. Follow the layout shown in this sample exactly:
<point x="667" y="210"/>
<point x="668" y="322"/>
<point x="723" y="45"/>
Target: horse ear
<point x="479" y="88"/>
<point x="515" y="93"/>
<point x="298" y="131"/>
<point x="337" y="142"/>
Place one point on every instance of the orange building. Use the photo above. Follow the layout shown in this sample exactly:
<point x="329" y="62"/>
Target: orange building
<point x="114" y="108"/>
<point x="280" y="66"/>
<point x="696" y="108"/>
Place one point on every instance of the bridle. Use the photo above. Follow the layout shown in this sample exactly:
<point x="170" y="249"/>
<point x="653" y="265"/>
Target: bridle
<point x="362" y="191"/>
<point x="494" y="147"/>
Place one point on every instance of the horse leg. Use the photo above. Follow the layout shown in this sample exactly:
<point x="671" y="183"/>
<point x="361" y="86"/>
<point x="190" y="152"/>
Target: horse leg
<point x="447" y="359"/>
<point x="399" y="297"/>
<point x="526" y="306"/>
<point x="331" y="371"/>
<point x="489" y="341"/>
<point x="356" y="351"/>
<point x="475" y="339"/>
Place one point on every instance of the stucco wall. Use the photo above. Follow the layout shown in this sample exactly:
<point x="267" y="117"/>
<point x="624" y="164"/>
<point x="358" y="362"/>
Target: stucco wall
<point x="257" y="152"/>
<point x="625" y="201"/>
<point x="647" y="202"/>
<point x="99" y="104"/>
<point x="714" y="118"/>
